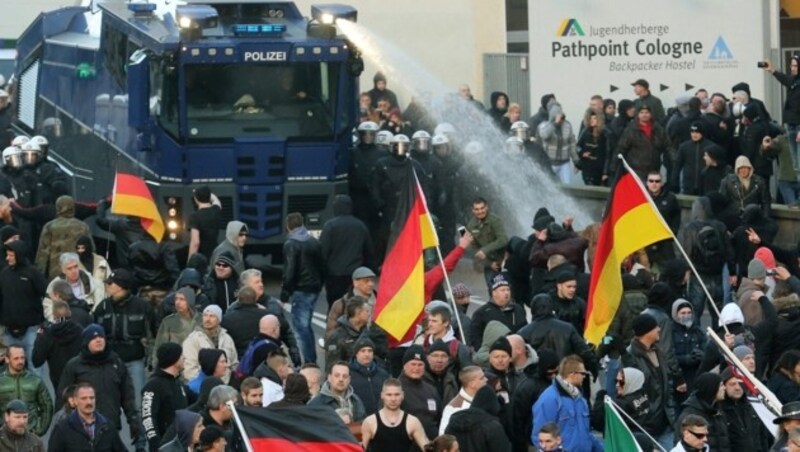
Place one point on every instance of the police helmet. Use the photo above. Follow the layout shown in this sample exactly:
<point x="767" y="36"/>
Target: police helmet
<point x="441" y="144"/>
<point x="383" y="139"/>
<point x="421" y="141"/>
<point x="31" y="153"/>
<point x="18" y="141"/>
<point x="400" y="145"/>
<point x="42" y="142"/>
<point x="514" y="145"/>
<point x="444" y="128"/>
<point x="12" y="157"/>
<point x="52" y="127"/>
<point x="520" y="130"/>
<point x="366" y="132"/>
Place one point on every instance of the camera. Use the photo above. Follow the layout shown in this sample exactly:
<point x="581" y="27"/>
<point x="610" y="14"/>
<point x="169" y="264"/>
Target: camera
<point x="461" y="231"/>
<point x="762" y="64"/>
<point x="771" y="272"/>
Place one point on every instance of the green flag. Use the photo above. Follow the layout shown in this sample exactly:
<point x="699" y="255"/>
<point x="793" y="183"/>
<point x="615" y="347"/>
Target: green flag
<point x="618" y="437"/>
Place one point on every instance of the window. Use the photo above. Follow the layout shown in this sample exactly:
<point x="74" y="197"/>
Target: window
<point x="235" y="100"/>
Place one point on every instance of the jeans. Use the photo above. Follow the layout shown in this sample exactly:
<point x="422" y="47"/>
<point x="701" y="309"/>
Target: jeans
<point x="302" y="312"/>
<point x="136" y="371"/>
<point x="563" y="172"/>
<point x="26" y="341"/>
<point x="788" y="191"/>
<point x="666" y="439"/>
<point x="698" y="297"/>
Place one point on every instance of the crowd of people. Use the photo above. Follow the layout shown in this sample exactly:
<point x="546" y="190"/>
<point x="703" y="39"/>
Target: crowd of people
<point x="168" y="343"/>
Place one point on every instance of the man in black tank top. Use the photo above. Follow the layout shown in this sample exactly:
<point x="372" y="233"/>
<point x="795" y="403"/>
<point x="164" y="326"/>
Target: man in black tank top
<point x="391" y="429"/>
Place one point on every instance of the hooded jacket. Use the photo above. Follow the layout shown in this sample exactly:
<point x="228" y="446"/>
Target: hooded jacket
<point x="512" y="316"/>
<point x="230" y="244"/>
<point x="55" y="345"/>
<point x="658" y="390"/>
<point x="703" y="216"/>
<point x="690" y="164"/>
<point x="175" y="327"/>
<point x="222" y="292"/>
<point x="59" y="236"/>
<point x="496" y="113"/>
<point x="559" y="141"/>
<point x="529" y="389"/>
<point x="685" y="340"/>
<point x="634" y="399"/>
<point x="739" y="196"/>
<point x="339" y="345"/>
<point x="185" y="421"/>
<point x="22" y="288"/>
<point x="345" y="240"/>
<point x="495" y="329"/>
<point x="547" y="332"/>
<point x="302" y="264"/>
<point x="478" y="428"/>
<point x="349" y="401"/>
<point x="188" y="278"/>
<point x="702" y="403"/>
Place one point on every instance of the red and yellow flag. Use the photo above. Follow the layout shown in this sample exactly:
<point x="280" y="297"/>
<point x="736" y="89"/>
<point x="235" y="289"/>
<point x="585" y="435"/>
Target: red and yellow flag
<point x="132" y="197"/>
<point x="401" y="294"/>
<point x="631" y="223"/>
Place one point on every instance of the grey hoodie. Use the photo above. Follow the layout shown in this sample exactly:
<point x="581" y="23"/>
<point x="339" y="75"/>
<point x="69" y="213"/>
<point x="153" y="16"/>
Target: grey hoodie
<point x="185" y="421"/>
<point x="494" y="331"/>
<point x="230" y="244"/>
<point x="634" y="380"/>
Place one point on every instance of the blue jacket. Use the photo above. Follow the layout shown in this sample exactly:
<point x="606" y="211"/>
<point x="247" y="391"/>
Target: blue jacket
<point x="571" y="415"/>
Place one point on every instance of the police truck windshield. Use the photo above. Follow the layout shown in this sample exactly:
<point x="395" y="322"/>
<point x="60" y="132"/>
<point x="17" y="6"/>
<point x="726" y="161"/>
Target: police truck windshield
<point x="245" y="100"/>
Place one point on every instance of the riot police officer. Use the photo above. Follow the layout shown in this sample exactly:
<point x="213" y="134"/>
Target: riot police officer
<point x="363" y="159"/>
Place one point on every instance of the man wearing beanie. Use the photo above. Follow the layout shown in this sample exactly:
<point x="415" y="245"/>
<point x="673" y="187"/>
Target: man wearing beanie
<point x="754" y="282"/>
<point x="380" y="91"/>
<point x="500" y="308"/>
<point x="366" y="376"/>
<point x="439" y="371"/>
<point x="704" y="401"/>
<point x="501" y="375"/>
<point x="177" y="326"/>
<point x="163" y="394"/>
<point x="208" y="335"/>
<point x="746" y="356"/>
<point x="659" y="306"/>
<point x="746" y="431"/>
<point x="128" y="321"/>
<point x="687" y="171"/>
<point x="421" y="398"/>
<point x="223" y="281"/>
<point x="103" y="369"/>
<point x="645" y="355"/>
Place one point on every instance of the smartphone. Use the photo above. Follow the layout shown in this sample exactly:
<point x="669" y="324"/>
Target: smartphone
<point x="762" y="64"/>
<point x="461" y="231"/>
<point x="771" y="272"/>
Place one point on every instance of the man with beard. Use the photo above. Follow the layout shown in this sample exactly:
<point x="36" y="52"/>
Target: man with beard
<point x="14" y="434"/>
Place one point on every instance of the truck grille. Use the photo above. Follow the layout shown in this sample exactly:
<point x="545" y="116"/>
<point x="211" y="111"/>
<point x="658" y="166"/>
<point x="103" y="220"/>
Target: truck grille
<point x="306" y="204"/>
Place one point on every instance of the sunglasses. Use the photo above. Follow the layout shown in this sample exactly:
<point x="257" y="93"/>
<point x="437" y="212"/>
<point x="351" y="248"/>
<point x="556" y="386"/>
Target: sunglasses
<point x="584" y="373"/>
<point x="621" y="382"/>
<point x="654" y="181"/>
<point x="698" y="435"/>
<point x="242" y="234"/>
<point x="221" y="265"/>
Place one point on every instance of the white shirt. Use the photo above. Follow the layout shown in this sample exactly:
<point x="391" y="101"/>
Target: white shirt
<point x="449" y="410"/>
<point x="272" y="392"/>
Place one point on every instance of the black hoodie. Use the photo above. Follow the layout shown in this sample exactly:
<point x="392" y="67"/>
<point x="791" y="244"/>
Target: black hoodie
<point x="478" y="428"/>
<point x="22" y="288"/>
<point x="494" y="112"/>
<point x="55" y="345"/>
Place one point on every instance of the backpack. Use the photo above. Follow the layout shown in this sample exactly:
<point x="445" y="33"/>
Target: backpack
<point x="708" y="252"/>
<point x="245" y="368"/>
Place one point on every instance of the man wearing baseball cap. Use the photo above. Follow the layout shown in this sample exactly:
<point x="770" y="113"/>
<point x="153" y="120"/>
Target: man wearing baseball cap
<point x="363" y="286"/>
<point x="14" y="434"/>
<point x="127" y="321"/>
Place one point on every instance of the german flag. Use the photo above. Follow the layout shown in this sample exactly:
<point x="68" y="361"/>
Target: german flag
<point x="132" y="197"/>
<point x="401" y="294"/>
<point x="300" y="428"/>
<point x="631" y="222"/>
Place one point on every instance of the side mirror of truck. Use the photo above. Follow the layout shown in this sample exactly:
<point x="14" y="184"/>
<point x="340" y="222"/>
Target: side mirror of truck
<point x="139" y="90"/>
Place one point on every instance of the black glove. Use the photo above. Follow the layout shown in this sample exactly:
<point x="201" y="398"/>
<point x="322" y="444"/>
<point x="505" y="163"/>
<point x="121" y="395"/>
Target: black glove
<point x="134" y="429"/>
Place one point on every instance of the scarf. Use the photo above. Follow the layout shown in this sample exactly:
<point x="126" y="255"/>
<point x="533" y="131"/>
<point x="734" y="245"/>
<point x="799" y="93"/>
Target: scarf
<point x="647" y="129"/>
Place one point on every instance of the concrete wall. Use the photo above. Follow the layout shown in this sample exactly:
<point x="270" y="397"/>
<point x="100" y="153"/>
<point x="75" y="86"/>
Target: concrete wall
<point x="447" y="37"/>
<point x="594" y="199"/>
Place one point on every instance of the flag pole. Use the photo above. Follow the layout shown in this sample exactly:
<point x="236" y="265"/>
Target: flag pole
<point x="675" y="239"/>
<point x="448" y="289"/>
<point x="246" y="439"/>
<point x="769" y="398"/>
<point x="618" y="409"/>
